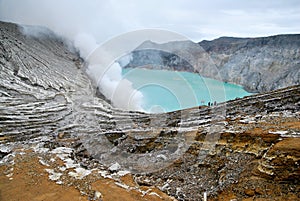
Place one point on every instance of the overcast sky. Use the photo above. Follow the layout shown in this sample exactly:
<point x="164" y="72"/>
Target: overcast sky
<point x="195" y="19"/>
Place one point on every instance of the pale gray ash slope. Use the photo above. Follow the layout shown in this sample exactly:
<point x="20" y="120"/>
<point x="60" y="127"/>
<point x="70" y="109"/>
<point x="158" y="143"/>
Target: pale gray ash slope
<point x="242" y="144"/>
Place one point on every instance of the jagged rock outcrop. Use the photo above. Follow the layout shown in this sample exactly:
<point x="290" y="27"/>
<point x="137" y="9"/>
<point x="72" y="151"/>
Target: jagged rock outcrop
<point x="258" y="64"/>
<point x="245" y="148"/>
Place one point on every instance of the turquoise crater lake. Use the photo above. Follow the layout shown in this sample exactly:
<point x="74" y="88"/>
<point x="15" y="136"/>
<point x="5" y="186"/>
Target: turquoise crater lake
<point x="166" y="91"/>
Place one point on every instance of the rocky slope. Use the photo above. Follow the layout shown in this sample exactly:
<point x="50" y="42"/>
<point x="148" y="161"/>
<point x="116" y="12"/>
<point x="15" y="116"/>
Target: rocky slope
<point x="258" y="64"/>
<point x="55" y="131"/>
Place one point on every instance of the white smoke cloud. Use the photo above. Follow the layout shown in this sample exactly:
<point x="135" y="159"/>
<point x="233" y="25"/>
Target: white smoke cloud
<point x="85" y="24"/>
<point x="115" y="88"/>
<point x="85" y="43"/>
<point x="109" y="78"/>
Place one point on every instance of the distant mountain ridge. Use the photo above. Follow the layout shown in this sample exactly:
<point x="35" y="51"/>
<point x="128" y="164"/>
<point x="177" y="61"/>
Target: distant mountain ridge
<point x="259" y="64"/>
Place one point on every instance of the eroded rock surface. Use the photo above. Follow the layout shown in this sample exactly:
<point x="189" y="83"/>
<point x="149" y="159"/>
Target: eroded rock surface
<point x="242" y="149"/>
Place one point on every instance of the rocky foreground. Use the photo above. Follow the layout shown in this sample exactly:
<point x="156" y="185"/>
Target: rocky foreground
<point x="60" y="141"/>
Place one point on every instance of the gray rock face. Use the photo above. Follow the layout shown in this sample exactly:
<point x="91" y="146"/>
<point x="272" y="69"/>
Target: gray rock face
<point x="258" y="64"/>
<point x="44" y="89"/>
<point x="35" y="83"/>
<point x="46" y="97"/>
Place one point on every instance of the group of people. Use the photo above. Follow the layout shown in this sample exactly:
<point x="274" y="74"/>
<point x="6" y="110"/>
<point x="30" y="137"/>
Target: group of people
<point x="209" y="104"/>
<point x="212" y="103"/>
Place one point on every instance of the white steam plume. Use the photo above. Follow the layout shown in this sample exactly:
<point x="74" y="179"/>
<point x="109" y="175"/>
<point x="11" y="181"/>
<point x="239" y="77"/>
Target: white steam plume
<point x="85" y="23"/>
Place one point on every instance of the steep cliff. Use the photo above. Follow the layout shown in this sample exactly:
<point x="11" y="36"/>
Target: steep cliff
<point x="258" y="64"/>
<point x="55" y="130"/>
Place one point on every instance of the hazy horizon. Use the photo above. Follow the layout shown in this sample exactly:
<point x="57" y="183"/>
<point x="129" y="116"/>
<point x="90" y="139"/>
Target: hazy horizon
<point x="196" y="20"/>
